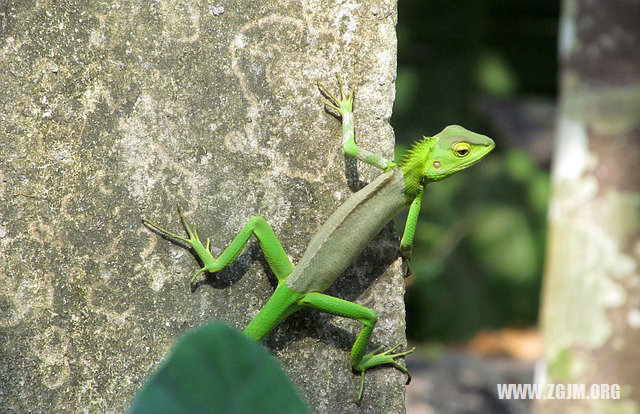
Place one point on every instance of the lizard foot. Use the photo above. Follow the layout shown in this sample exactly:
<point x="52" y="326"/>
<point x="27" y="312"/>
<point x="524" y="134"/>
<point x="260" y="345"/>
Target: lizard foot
<point x="342" y="104"/>
<point x="376" y="358"/>
<point x="193" y="242"/>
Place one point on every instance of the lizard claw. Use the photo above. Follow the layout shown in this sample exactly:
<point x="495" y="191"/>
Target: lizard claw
<point x="406" y="263"/>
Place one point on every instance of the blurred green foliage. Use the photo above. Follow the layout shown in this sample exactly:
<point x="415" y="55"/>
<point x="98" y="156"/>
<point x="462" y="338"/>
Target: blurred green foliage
<point x="479" y="249"/>
<point x="216" y="369"/>
<point x="452" y="52"/>
<point x="478" y="257"/>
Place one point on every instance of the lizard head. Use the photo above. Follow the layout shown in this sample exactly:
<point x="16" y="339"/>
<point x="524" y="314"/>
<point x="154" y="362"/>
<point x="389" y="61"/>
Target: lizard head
<point x="437" y="157"/>
<point x="454" y="149"/>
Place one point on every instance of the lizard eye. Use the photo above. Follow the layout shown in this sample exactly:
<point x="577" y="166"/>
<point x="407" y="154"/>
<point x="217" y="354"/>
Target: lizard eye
<point x="461" y="149"/>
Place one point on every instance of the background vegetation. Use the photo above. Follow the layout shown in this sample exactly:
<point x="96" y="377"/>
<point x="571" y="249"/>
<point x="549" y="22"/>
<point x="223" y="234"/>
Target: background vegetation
<point x="478" y="257"/>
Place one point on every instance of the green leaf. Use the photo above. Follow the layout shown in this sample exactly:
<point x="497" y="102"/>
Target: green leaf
<point x="216" y="369"/>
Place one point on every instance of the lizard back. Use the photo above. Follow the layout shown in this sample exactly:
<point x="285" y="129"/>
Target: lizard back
<point x="347" y="232"/>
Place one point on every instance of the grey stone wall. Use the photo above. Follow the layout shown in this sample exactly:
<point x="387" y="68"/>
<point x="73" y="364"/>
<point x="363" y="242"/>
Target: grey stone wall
<point x="115" y="111"/>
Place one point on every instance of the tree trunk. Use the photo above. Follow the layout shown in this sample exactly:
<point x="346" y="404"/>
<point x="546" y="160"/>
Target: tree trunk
<point x="115" y="111"/>
<point x="591" y="314"/>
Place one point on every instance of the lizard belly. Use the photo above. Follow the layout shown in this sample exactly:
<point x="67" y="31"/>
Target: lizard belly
<point x="347" y="232"/>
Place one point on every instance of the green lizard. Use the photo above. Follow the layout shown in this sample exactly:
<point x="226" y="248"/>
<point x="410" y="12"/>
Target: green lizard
<point x="346" y="233"/>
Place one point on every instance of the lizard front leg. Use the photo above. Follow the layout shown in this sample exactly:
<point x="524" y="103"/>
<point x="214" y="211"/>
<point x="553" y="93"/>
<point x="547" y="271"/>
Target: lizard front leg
<point x="360" y="361"/>
<point x="344" y="107"/>
<point x="406" y="244"/>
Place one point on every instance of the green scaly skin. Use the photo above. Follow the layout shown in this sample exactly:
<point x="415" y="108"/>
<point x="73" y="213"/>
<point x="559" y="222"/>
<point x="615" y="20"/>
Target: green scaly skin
<point x="346" y="232"/>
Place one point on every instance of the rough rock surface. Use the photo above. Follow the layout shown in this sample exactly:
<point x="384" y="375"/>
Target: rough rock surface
<point x="115" y="111"/>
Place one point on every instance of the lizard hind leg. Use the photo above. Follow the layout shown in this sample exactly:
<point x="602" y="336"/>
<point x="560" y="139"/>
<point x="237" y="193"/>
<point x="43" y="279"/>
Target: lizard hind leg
<point x="273" y="251"/>
<point x="360" y="360"/>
